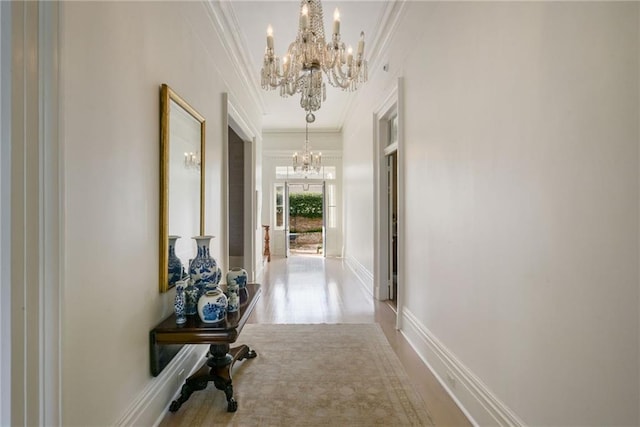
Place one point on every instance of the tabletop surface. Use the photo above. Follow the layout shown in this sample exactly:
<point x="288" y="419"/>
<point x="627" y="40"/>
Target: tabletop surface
<point x="195" y="331"/>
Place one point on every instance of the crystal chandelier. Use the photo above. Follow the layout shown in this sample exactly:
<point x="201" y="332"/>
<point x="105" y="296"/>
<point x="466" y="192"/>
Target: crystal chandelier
<point x="308" y="162"/>
<point x="308" y="56"/>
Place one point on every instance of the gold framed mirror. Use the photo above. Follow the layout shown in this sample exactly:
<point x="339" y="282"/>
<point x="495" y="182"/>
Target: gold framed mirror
<point x="182" y="138"/>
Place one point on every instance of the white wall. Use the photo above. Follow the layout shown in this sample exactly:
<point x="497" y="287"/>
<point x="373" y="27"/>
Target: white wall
<point x="115" y="56"/>
<point x="521" y="136"/>
<point x="278" y="147"/>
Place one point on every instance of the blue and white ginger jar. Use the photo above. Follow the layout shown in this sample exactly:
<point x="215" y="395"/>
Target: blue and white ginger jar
<point x="237" y="276"/>
<point x="212" y="306"/>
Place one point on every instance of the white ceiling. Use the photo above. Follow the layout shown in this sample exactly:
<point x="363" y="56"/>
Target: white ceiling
<point x="251" y="19"/>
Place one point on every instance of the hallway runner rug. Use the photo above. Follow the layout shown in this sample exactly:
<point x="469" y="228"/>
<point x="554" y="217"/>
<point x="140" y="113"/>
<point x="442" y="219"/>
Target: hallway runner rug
<point x="311" y="375"/>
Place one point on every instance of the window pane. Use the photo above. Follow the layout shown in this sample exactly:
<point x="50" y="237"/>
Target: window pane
<point x="279" y="206"/>
<point x="393" y="129"/>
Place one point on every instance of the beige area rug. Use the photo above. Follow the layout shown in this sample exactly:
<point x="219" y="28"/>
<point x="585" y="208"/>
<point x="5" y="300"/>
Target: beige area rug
<point x="311" y="375"/>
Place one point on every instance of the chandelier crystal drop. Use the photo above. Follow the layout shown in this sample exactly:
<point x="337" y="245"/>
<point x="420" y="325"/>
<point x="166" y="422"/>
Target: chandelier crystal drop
<point x="309" y="56"/>
<point x="308" y="162"/>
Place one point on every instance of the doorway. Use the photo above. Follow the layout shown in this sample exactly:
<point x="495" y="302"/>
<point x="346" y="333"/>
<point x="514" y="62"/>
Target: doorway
<point x="389" y="201"/>
<point x="305" y="222"/>
<point x="239" y="200"/>
<point x="392" y="171"/>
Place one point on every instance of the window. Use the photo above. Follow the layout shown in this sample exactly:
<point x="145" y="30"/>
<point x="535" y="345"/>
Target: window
<point x="279" y="207"/>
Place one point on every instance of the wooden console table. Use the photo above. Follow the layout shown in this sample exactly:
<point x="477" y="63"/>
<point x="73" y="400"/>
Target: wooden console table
<point x="218" y="336"/>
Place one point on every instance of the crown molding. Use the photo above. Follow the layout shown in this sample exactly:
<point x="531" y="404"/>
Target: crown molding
<point x="234" y="44"/>
<point x="389" y="20"/>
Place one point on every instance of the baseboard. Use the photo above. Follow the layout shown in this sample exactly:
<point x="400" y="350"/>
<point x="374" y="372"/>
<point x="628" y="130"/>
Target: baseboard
<point x="365" y="277"/>
<point x="152" y="404"/>
<point x="473" y="397"/>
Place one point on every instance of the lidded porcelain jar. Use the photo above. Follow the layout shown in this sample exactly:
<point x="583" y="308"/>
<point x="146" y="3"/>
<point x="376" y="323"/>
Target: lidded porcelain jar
<point x="212" y="306"/>
<point x="237" y="276"/>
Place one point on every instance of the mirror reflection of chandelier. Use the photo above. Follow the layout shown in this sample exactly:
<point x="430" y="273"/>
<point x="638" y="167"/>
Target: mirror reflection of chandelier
<point x="308" y="162"/>
<point x="308" y="56"/>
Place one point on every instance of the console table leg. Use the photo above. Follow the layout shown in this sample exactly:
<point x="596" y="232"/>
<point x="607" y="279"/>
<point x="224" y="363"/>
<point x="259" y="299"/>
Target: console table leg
<point x="194" y="383"/>
<point x="242" y="352"/>
<point x="226" y="386"/>
<point x="216" y="369"/>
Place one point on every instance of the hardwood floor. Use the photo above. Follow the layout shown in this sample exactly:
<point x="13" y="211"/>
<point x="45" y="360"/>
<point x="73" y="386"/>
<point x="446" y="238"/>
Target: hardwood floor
<point x="309" y="289"/>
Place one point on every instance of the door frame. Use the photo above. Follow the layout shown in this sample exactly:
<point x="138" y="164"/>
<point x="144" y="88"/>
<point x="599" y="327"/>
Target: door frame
<point x="392" y="105"/>
<point x="31" y="214"/>
<point x="285" y="216"/>
<point x="232" y="118"/>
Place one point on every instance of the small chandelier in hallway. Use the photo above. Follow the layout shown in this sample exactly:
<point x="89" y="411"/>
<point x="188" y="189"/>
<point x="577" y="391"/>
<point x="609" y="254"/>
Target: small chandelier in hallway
<point x="308" y="162"/>
<point x="308" y="56"/>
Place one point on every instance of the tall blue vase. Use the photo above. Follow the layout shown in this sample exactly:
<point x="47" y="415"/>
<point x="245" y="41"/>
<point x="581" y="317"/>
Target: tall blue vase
<point x="179" y="303"/>
<point x="191" y="295"/>
<point x="203" y="269"/>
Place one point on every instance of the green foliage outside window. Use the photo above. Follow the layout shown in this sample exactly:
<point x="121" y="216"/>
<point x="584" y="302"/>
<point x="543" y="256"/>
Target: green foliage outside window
<point x="305" y="205"/>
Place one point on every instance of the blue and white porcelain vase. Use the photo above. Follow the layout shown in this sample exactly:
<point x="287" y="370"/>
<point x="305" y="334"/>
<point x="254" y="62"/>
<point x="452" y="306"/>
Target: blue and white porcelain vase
<point x="218" y="276"/>
<point x="212" y="306"/>
<point x="215" y="281"/>
<point x="233" y="298"/>
<point x="203" y="268"/>
<point x="191" y="295"/>
<point x="238" y="276"/>
<point x="179" y="303"/>
<point x="176" y="271"/>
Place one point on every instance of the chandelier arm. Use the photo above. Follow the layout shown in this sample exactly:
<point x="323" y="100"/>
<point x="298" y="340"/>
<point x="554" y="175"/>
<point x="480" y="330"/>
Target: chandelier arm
<point x="338" y="79"/>
<point x="334" y="52"/>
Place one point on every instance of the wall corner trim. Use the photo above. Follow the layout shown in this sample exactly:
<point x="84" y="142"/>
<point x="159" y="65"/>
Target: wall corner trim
<point x="473" y="397"/>
<point x="152" y="404"/>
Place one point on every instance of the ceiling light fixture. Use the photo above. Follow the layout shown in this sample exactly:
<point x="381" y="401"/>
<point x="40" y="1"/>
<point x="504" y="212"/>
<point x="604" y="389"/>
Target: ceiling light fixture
<point x="309" y="162"/>
<point x="308" y="56"/>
